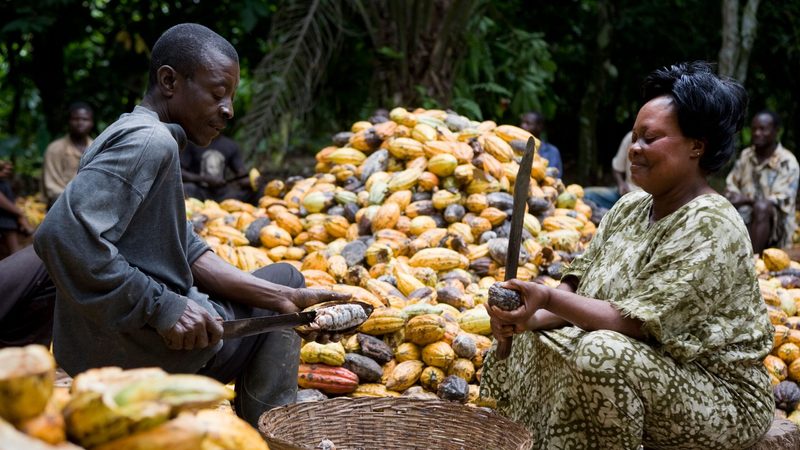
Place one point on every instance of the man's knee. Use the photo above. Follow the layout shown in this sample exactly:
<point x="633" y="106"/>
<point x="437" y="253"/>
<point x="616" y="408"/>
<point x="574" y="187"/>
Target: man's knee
<point x="762" y="210"/>
<point x="283" y="274"/>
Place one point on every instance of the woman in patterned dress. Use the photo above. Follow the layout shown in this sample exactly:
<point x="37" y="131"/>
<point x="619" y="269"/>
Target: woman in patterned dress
<point x="656" y="334"/>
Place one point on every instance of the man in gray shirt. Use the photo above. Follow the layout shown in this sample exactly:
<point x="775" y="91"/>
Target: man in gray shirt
<point x="130" y="273"/>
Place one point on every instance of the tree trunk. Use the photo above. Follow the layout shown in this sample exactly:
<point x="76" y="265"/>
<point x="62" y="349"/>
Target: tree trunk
<point x="738" y="36"/>
<point x="419" y="43"/>
<point x="587" y="134"/>
<point x="748" y="29"/>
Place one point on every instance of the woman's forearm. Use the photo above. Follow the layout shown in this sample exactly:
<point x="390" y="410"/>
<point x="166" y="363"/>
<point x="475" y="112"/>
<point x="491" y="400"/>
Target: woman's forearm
<point x="591" y="314"/>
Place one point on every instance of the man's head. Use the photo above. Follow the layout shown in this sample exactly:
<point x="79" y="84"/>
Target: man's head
<point x="533" y="123"/>
<point x="81" y="120"/>
<point x="764" y="129"/>
<point x="194" y="73"/>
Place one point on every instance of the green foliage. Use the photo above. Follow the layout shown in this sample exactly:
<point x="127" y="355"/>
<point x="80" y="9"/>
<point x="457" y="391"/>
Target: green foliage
<point x="496" y="60"/>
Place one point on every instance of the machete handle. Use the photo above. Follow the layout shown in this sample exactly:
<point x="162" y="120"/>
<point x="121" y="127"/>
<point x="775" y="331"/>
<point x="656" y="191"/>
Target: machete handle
<point x="503" y="347"/>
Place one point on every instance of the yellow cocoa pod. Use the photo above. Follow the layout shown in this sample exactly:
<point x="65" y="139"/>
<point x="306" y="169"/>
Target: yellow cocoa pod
<point x="438" y="354"/>
<point x="512" y="133"/>
<point x="318" y="278"/>
<point x="442" y="165"/>
<point x="378" y="253"/>
<point x="425" y="329"/>
<point x="463" y="368"/>
<point x="361" y="125"/>
<point x="439" y="259"/>
<point x="401" y="198"/>
<point x="423" y="132"/>
<point x="272" y="236"/>
<point x="404" y="375"/>
<point x="775" y="259"/>
<point x="336" y="226"/>
<point x="295" y="253"/>
<point x="421" y="224"/>
<point x="431" y="377"/>
<point x="26" y="381"/>
<point x="373" y="389"/>
<point x="386" y="217"/>
<point x="384" y="321"/>
<point x="497" y="147"/>
<point x="443" y="198"/>
<point x="407" y="283"/>
<point x="427" y="181"/>
<point x="346" y="155"/>
<point x="405" y="148"/>
<point x="477" y="202"/>
<point x="289" y="222"/>
<point x="401" y="116"/>
<point x="315" y="261"/>
<point x="407" y="351"/>
<point x="494" y="216"/>
<point x="404" y="180"/>
<point x="331" y="354"/>
<point x="475" y="320"/>
<point x="337" y="266"/>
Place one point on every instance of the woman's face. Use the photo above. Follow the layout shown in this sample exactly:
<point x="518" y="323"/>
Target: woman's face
<point x="661" y="156"/>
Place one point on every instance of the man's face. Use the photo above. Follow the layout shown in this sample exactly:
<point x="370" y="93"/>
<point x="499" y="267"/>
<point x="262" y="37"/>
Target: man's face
<point x="81" y="122"/>
<point x="531" y="123"/>
<point x="203" y="104"/>
<point x="764" y="131"/>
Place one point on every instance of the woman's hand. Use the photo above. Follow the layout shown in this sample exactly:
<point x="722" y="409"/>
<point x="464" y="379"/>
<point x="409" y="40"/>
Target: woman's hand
<point x="535" y="296"/>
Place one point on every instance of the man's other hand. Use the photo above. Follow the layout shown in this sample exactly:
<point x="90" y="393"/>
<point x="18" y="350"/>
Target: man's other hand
<point x="303" y="298"/>
<point x="195" y="329"/>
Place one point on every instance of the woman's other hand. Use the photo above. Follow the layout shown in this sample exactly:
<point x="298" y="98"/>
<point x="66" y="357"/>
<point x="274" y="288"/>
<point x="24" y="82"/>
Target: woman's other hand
<point x="506" y="323"/>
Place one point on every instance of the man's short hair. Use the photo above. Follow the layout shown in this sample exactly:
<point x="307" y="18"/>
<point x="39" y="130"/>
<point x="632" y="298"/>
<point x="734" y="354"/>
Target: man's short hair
<point x="776" y="120"/>
<point x="75" y="106"/>
<point x="185" y="48"/>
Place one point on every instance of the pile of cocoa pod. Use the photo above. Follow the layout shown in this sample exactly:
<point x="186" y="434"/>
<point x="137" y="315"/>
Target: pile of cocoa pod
<point x="411" y="215"/>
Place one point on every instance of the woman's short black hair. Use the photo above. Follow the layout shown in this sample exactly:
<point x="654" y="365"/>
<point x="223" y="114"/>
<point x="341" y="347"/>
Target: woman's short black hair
<point x="709" y="107"/>
<point x="185" y="47"/>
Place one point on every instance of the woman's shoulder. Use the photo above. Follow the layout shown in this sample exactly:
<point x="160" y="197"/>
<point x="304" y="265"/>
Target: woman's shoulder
<point x="715" y="217"/>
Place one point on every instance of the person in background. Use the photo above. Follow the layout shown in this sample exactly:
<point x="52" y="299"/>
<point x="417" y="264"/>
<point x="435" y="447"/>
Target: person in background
<point x="763" y="185"/>
<point x="215" y="172"/>
<point x="533" y="122"/>
<point x="62" y="157"/>
<point x="657" y="333"/>
<point x="604" y="197"/>
<point x="14" y="225"/>
<point x="135" y="285"/>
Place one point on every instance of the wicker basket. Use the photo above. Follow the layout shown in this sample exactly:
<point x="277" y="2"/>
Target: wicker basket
<point x="390" y="423"/>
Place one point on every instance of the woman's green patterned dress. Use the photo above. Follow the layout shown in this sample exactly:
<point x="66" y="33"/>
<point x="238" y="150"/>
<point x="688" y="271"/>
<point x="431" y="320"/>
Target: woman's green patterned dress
<point x="696" y="383"/>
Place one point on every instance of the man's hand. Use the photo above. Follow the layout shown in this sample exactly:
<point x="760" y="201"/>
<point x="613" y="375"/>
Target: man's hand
<point x="303" y="298"/>
<point x="195" y="329"/>
<point x="213" y="182"/>
<point x="24" y="226"/>
<point x="737" y="199"/>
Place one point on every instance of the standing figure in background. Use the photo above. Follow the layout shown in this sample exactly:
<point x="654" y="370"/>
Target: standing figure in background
<point x="205" y="169"/>
<point x="62" y="157"/>
<point x="13" y="224"/>
<point x="604" y="197"/>
<point x="533" y="122"/>
<point x="763" y="185"/>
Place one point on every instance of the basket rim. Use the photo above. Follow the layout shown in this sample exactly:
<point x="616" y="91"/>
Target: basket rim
<point x="409" y="405"/>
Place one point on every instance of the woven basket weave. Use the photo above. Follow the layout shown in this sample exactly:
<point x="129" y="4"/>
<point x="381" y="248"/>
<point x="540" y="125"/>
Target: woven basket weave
<point x="390" y="423"/>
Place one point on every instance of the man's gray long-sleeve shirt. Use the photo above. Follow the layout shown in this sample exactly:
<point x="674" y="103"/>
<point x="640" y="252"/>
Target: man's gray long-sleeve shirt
<point x="119" y="249"/>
